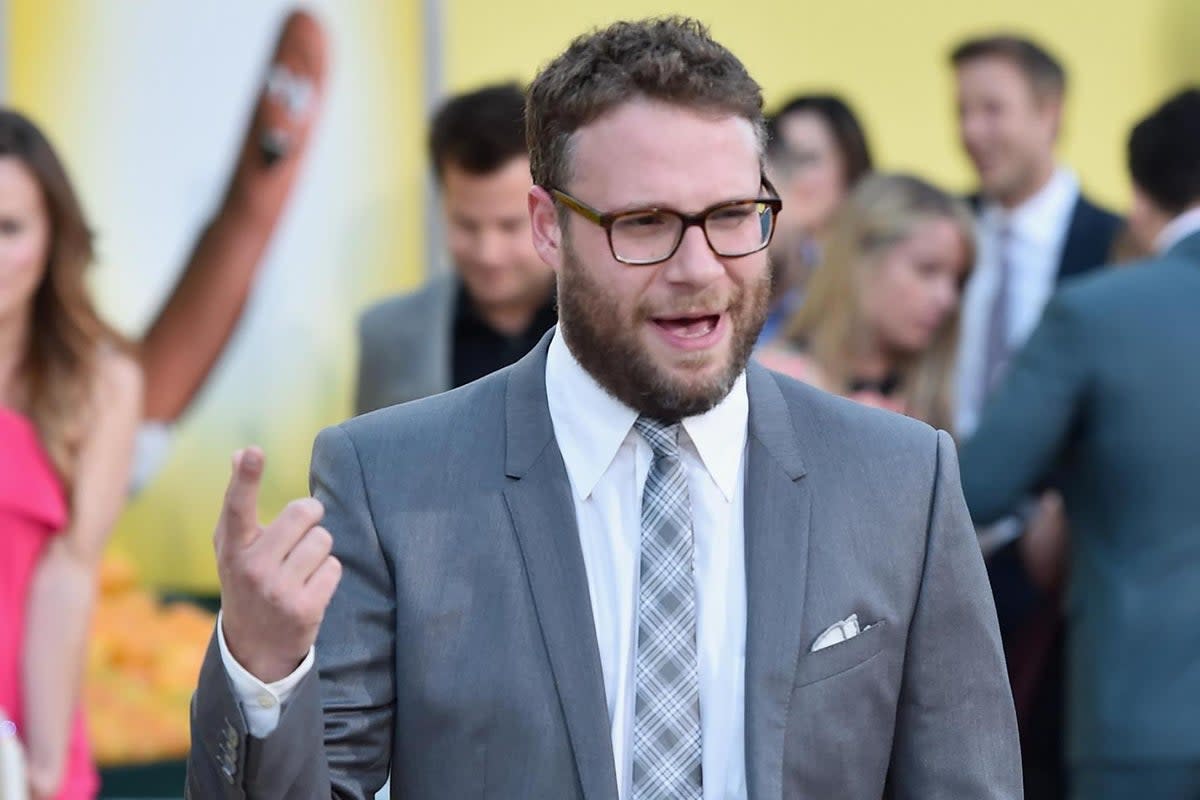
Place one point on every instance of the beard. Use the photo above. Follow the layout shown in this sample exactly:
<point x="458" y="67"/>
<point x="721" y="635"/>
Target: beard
<point x="606" y="343"/>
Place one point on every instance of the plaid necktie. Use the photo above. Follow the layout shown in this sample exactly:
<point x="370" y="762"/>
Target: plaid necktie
<point x="666" y="726"/>
<point x="997" y="352"/>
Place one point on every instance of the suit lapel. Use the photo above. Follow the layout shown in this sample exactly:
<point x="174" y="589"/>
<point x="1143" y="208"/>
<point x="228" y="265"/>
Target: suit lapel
<point x="543" y="513"/>
<point x="1089" y="239"/>
<point x="776" y="533"/>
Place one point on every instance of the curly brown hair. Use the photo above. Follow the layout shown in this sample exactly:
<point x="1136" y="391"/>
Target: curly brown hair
<point x="672" y="59"/>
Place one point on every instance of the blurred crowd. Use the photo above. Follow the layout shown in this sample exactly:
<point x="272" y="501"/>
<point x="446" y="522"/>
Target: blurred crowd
<point x="1054" y="338"/>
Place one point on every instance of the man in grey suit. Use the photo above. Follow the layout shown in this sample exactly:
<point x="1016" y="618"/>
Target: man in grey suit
<point x="498" y="300"/>
<point x="1103" y="401"/>
<point x="631" y="566"/>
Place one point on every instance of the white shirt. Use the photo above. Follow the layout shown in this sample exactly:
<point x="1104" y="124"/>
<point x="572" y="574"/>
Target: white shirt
<point x="1038" y="231"/>
<point x="1177" y="230"/>
<point x="607" y="463"/>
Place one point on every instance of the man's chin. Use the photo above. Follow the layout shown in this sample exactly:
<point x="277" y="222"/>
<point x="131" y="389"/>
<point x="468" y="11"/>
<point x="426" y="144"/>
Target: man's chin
<point x="694" y="374"/>
<point x="690" y="367"/>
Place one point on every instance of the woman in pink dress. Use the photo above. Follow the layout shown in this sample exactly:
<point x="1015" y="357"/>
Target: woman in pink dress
<point x="70" y="399"/>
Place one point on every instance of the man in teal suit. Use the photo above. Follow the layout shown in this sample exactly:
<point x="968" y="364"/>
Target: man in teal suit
<point x="1104" y="402"/>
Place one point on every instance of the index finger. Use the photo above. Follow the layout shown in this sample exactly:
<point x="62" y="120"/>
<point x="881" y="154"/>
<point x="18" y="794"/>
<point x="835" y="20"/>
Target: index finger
<point x="239" y="513"/>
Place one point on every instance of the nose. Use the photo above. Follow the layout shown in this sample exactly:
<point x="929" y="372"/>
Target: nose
<point x="946" y="296"/>
<point x="694" y="262"/>
<point x="490" y="248"/>
<point x="974" y="127"/>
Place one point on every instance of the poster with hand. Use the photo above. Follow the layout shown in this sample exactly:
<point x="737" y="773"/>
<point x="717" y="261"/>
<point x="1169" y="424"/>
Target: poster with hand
<point x="254" y="174"/>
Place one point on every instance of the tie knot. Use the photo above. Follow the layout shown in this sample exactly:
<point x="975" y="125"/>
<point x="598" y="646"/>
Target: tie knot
<point x="662" y="437"/>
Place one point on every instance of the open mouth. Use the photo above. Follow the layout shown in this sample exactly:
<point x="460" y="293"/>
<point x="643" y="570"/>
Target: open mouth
<point x="690" y="327"/>
<point x="691" y="332"/>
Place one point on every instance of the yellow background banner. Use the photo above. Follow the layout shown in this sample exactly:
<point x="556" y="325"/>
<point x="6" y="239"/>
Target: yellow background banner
<point x="147" y="101"/>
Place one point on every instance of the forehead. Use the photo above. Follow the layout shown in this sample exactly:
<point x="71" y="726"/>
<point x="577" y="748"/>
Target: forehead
<point x="648" y="152"/>
<point x="993" y="75"/>
<point x="498" y="191"/>
<point x="18" y="188"/>
<point x="806" y="129"/>
<point x="937" y="236"/>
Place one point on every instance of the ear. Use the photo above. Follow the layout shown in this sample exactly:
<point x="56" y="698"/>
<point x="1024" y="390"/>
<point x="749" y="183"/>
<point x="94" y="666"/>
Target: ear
<point x="1052" y="107"/>
<point x="1146" y="219"/>
<point x="543" y="223"/>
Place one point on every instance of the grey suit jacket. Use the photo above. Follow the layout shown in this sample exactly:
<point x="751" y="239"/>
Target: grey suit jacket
<point x="404" y="346"/>
<point x="1104" y="397"/>
<point x="460" y="652"/>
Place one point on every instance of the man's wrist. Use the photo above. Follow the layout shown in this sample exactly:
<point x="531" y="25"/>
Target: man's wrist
<point x="269" y="669"/>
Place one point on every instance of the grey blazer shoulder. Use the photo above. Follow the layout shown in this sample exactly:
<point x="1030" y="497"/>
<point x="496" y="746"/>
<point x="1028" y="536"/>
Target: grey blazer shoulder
<point x="405" y="346"/>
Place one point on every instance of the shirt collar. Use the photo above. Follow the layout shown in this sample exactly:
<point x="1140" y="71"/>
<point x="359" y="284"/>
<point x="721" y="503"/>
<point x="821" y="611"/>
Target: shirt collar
<point x="590" y="425"/>
<point x="1177" y="230"/>
<point x="1043" y="217"/>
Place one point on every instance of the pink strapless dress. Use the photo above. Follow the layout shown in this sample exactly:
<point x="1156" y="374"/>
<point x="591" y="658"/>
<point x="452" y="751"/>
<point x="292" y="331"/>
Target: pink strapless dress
<point x="33" y="509"/>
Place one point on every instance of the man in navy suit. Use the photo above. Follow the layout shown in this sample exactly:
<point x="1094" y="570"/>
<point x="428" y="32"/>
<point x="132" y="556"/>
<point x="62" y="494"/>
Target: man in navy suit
<point x="1035" y="229"/>
<point x="1103" y="401"/>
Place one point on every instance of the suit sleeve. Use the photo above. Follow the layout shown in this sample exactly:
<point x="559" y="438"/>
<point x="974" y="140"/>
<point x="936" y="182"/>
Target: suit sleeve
<point x="1026" y="425"/>
<point x="956" y="731"/>
<point x="334" y="737"/>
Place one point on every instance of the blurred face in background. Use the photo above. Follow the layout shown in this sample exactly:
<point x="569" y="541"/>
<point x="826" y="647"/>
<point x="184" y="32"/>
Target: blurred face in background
<point x="1007" y="129"/>
<point x="810" y="173"/>
<point x="487" y="233"/>
<point x="24" y="237"/>
<point x="911" y="291"/>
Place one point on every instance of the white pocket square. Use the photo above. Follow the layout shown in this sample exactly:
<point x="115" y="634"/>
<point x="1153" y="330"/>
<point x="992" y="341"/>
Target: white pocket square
<point x="837" y="633"/>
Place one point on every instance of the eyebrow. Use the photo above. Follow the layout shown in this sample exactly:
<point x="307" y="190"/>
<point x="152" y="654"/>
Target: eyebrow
<point x="657" y="206"/>
<point x="641" y="207"/>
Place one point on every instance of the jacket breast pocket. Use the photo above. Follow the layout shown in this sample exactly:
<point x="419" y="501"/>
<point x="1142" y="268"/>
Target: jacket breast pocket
<point x="841" y="657"/>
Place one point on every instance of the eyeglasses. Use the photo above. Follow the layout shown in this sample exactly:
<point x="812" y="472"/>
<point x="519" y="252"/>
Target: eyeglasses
<point x="647" y="236"/>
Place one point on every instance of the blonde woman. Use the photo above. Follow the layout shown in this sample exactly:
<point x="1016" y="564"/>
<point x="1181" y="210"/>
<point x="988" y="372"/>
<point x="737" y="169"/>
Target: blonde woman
<point x="880" y="316"/>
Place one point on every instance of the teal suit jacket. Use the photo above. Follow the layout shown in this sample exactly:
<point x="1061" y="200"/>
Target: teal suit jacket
<point x="1106" y="398"/>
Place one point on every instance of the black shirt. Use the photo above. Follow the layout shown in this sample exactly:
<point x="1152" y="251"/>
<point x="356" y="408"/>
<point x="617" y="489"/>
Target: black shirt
<point x="479" y="349"/>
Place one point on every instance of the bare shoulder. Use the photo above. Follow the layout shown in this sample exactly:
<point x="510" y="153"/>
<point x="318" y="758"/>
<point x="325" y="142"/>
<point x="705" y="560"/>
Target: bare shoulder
<point x="118" y="383"/>
<point x="793" y="363"/>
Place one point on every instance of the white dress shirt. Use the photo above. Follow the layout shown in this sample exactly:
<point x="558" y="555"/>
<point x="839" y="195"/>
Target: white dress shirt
<point x="1038" y="231"/>
<point x="607" y="463"/>
<point x="1177" y="230"/>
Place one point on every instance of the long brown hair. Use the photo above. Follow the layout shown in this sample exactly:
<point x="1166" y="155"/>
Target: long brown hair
<point x="55" y="379"/>
<point x="881" y="212"/>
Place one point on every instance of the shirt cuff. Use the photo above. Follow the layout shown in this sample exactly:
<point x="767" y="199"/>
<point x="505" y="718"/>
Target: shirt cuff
<point x="261" y="702"/>
<point x="998" y="534"/>
<point x="151" y="449"/>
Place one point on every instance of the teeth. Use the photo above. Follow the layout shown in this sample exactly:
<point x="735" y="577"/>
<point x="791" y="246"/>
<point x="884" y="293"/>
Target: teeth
<point x="693" y="329"/>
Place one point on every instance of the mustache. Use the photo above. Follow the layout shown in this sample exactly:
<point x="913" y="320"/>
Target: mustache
<point x="701" y="304"/>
